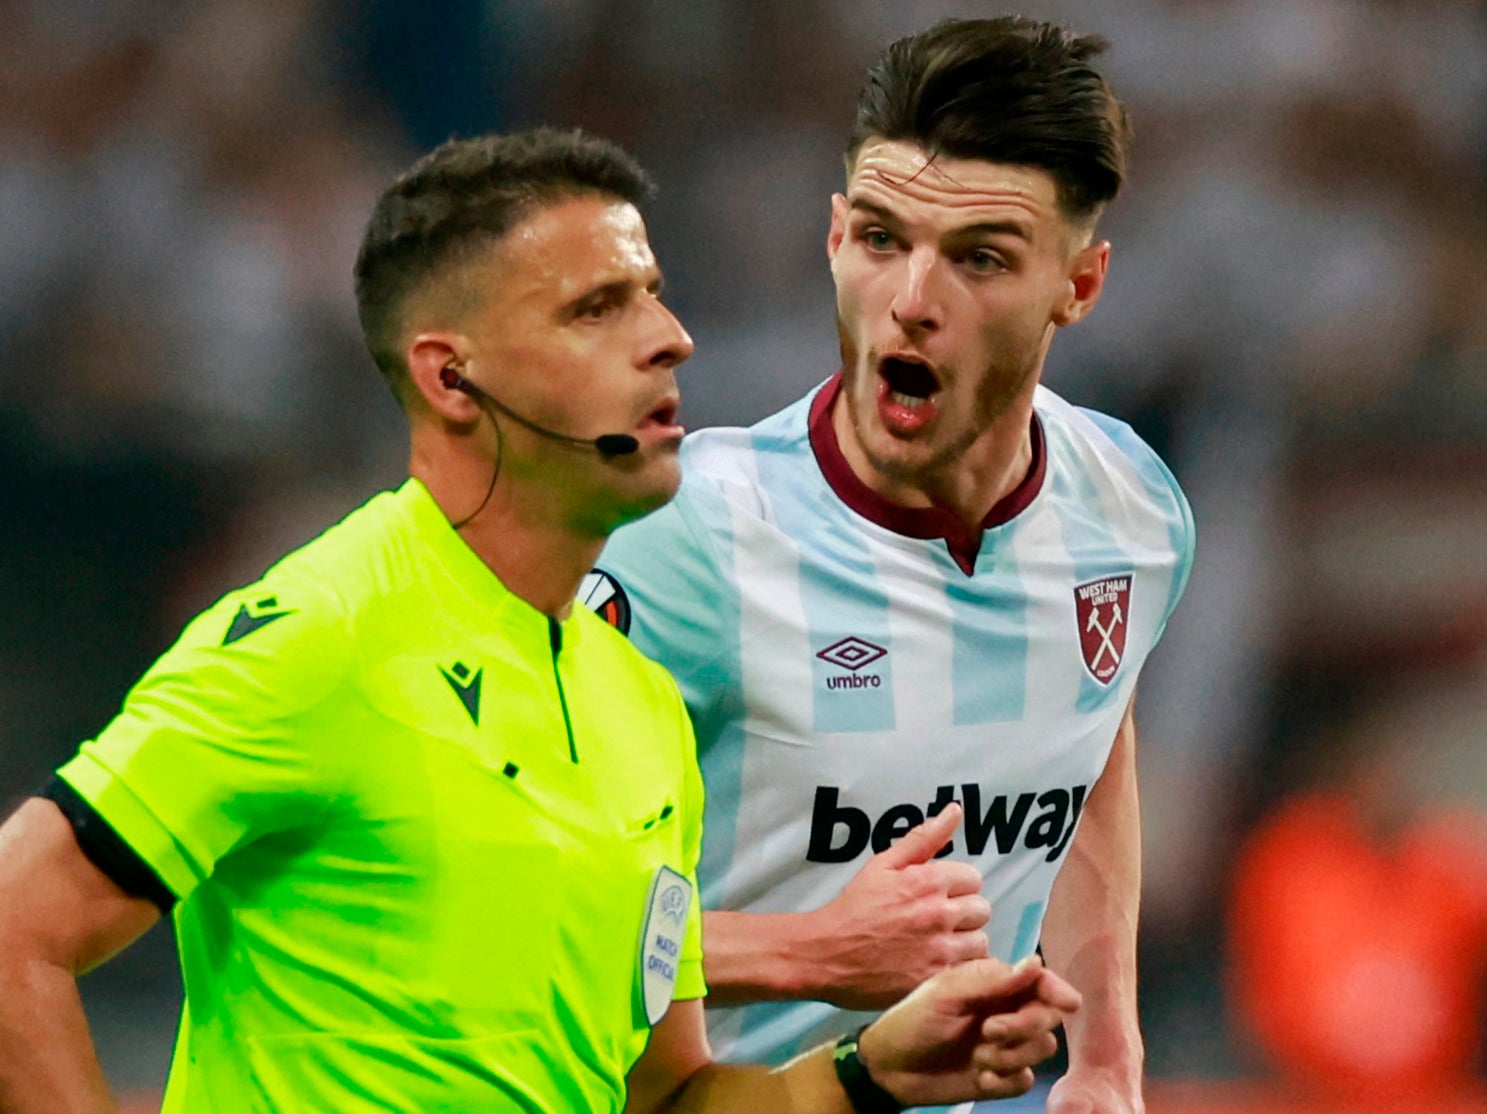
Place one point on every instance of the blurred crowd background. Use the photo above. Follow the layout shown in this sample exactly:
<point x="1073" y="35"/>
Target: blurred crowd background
<point x="1295" y="318"/>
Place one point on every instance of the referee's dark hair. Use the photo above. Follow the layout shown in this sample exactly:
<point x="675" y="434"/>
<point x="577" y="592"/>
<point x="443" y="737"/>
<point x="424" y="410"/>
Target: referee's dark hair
<point x="456" y="202"/>
<point x="1008" y="90"/>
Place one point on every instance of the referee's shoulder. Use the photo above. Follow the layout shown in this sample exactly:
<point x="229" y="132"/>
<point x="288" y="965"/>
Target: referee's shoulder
<point x="615" y="651"/>
<point x="331" y="577"/>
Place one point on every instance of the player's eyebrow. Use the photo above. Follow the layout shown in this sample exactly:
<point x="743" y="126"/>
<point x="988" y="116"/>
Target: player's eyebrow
<point x="887" y="216"/>
<point x="970" y="231"/>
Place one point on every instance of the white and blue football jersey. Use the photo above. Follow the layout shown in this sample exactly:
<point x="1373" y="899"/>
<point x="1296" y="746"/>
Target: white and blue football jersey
<point x="852" y="665"/>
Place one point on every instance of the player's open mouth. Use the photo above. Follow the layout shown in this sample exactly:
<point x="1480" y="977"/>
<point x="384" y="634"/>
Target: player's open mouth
<point x="910" y="383"/>
<point x="907" y="387"/>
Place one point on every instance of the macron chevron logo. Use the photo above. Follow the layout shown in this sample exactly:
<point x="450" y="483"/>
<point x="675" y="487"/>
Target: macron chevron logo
<point x="245" y="622"/>
<point x="466" y="686"/>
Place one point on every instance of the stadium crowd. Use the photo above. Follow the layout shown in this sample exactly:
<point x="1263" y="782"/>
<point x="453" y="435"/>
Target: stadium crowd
<point x="1292" y="318"/>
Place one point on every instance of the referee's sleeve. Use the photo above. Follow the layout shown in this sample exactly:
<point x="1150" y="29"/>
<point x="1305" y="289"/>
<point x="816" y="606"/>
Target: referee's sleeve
<point x="691" y="981"/>
<point x="105" y="848"/>
<point x="227" y="737"/>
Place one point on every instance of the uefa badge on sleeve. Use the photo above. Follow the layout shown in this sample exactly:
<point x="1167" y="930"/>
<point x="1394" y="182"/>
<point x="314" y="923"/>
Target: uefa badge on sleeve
<point x="661" y="941"/>
<point x="1103" y="609"/>
<point x="602" y="594"/>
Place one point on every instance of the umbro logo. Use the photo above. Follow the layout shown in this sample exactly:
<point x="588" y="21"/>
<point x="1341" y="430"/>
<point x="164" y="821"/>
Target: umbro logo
<point x="246" y="621"/>
<point x="852" y="654"/>
<point x="466" y="686"/>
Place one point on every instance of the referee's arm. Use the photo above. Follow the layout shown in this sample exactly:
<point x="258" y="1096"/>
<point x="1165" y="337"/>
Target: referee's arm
<point x="973" y="1031"/>
<point x="60" y="916"/>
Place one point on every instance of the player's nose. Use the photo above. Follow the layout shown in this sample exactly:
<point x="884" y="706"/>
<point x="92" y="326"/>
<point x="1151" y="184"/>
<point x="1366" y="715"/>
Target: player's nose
<point x="916" y="306"/>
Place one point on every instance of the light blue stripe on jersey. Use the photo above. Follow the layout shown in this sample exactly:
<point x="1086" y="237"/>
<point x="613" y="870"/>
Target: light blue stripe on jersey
<point x="836" y="575"/>
<point x="774" y="1032"/>
<point x="1028" y="927"/>
<point x="1164" y="491"/>
<point x="1087" y="536"/>
<point x="678" y="565"/>
<point x="721" y="719"/>
<point x="982" y="634"/>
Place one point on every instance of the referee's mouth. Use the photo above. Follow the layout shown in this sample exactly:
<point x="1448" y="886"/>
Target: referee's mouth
<point x="907" y="394"/>
<point x="662" y="419"/>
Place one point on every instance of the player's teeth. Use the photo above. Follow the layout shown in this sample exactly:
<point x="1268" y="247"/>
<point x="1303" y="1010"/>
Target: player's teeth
<point x="912" y="402"/>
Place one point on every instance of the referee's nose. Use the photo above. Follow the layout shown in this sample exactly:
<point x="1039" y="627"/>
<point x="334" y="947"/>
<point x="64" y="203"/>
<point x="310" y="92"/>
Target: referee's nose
<point x="666" y="343"/>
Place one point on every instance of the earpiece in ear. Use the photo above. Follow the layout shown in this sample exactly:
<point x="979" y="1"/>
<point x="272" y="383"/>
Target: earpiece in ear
<point x="451" y="379"/>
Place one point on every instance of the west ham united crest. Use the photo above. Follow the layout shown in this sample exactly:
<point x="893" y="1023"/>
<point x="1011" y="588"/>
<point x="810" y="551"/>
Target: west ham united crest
<point x="1103" y="608"/>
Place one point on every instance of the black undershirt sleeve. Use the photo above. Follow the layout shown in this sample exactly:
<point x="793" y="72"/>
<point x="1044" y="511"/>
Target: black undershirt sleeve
<point x="105" y="848"/>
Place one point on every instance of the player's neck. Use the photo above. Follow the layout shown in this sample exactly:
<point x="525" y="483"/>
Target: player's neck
<point x="992" y="468"/>
<point x="516" y="530"/>
<point x="967" y="487"/>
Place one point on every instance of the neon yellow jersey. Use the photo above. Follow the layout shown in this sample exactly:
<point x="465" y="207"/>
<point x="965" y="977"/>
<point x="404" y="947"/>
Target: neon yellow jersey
<point x="415" y="828"/>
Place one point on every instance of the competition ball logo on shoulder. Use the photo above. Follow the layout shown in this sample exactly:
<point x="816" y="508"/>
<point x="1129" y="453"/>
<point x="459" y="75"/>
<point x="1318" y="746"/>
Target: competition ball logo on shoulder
<point x="602" y="594"/>
<point x="1102" y="609"/>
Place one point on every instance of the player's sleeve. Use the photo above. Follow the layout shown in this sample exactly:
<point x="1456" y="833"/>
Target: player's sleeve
<point x="1183" y="531"/>
<point x="1165" y="495"/>
<point x="218" y="743"/>
<point x="673" y="572"/>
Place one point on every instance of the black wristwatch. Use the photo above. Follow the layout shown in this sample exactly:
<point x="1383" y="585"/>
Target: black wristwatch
<point x="863" y="1093"/>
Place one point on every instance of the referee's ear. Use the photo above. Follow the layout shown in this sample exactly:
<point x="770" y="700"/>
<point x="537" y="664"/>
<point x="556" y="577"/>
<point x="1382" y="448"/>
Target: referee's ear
<point x="427" y="356"/>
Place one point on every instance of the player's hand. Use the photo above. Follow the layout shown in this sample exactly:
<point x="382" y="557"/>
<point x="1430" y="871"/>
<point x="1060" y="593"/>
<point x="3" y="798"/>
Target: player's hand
<point x="1092" y="1092"/>
<point x="904" y="917"/>
<point x="972" y="1032"/>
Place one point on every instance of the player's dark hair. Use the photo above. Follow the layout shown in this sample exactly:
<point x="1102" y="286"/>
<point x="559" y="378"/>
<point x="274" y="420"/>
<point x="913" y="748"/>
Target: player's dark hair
<point x="456" y="202"/>
<point x="1008" y="90"/>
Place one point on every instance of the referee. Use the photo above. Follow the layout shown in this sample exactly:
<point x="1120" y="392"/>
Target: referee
<point x="428" y="832"/>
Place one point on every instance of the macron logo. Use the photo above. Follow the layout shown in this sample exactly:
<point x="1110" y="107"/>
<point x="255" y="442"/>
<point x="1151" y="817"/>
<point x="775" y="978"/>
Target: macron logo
<point x="466" y="686"/>
<point x="851" y="654"/>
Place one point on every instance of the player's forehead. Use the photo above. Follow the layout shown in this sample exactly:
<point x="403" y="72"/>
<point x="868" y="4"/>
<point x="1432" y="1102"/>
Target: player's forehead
<point x="560" y="250"/>
<point x="902" y="179"/>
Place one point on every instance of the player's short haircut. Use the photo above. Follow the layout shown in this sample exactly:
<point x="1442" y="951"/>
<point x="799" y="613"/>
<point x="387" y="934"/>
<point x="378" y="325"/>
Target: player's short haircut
<point x="1008" y="90"/>
<point x="457" y="202"/>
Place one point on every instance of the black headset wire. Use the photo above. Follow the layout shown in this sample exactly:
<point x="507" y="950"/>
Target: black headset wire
<point x="490" y="412"/>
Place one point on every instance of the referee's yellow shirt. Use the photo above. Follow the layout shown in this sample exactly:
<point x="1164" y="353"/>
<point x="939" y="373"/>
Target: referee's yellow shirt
<point x="424" y="839"/>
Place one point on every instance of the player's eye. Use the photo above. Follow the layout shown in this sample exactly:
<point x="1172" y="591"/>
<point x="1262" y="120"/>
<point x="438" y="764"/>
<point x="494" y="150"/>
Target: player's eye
<point x="984" y="260"/>
<point x="877" y="240"/>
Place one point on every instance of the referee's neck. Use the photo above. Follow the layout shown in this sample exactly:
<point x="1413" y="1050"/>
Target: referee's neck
<point x="537" y="560"/>
<point x="518" y="530"/>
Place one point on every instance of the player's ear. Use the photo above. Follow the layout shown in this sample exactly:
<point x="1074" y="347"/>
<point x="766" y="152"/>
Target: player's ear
<point x="1085" y="281"/>
<point x="427" y="355"/>
<point x="838" y="229"/>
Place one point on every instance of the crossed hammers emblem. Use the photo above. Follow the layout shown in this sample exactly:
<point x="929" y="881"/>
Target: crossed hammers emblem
<point x="1105" y="633"/>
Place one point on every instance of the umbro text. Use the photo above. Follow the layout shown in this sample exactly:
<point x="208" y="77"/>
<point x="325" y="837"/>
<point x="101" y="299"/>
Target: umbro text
<point x="854" y="681"/>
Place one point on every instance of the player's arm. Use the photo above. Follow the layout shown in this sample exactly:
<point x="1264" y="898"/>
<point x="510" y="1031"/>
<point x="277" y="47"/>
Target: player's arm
<point x="971" y="1032"/>
<point x="1089" y="937"/>
<point x="59" y="916"/>
<point x="903" y="917"/>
